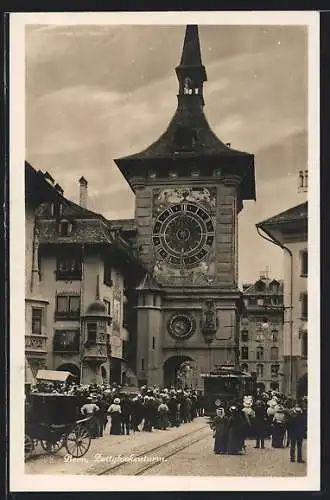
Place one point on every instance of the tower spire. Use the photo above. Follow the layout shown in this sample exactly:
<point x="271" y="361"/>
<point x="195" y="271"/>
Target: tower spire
<point x="191" y="72"/>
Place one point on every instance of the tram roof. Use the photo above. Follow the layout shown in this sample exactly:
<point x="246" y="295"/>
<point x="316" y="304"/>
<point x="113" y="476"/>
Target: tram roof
<point x="224" y="374"/>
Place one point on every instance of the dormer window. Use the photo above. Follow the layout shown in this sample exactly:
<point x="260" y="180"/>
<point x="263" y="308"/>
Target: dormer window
<point x="56" y="209"/>
<point x="65" y="228"/>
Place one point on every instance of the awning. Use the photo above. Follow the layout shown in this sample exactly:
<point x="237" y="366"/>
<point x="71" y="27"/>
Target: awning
<point x="53" y="375"/>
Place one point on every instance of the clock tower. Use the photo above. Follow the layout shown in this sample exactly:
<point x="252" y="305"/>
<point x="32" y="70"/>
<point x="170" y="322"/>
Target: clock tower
<point x="189" y="189"/>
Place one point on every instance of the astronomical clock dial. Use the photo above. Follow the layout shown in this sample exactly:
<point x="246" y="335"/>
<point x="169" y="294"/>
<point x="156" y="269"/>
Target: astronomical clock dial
<point x="183" y="235"/>
<point x="181" y="326"/>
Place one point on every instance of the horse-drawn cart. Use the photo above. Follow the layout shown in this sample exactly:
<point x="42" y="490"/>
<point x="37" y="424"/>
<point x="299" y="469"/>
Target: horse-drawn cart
<point x="54" y="420"/>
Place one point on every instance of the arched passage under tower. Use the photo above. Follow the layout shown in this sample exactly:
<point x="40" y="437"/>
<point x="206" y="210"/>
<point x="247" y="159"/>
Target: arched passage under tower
<point x="179" y="372"/>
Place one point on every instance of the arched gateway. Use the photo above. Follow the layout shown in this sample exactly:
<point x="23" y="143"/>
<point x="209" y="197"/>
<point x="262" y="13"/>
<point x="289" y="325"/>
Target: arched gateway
<point x="177" y="371"/>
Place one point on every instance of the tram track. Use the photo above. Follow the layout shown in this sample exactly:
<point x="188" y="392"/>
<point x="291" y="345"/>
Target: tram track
<point x="137" y="465"/>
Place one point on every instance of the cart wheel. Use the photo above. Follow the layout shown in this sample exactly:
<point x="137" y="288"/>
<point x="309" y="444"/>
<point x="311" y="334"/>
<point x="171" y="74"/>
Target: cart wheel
<point x="52" y="448"/>
<point x="28" y="447"/>
<point x="78" y="441"/>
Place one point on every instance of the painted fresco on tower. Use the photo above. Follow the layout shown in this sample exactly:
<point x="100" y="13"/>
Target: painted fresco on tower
<point x="201" y="195"/>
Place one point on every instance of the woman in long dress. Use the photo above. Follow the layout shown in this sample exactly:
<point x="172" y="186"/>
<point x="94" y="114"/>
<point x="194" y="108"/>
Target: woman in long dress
<point x="235" y="443"/>
<point x="114" y="412"/>
<point x="220" y="431"/>
<point x="279" y="427"/>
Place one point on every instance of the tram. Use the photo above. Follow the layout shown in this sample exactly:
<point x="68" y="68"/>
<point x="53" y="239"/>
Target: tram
<point x="224" y="385"/>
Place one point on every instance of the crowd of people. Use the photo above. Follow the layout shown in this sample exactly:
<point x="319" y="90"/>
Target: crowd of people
<point x="130" y="411"/>
<point x="270" y="416"/>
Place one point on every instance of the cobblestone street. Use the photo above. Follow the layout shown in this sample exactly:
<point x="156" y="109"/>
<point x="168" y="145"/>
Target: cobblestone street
<point x="110" y="454"/>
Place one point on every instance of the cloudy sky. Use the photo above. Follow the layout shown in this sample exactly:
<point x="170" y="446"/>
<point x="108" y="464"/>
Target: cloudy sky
<point x="95" y="93"/>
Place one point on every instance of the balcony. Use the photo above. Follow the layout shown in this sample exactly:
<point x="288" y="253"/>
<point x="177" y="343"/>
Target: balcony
<point x="35" y="345"/>
<point x="95" y="352"/>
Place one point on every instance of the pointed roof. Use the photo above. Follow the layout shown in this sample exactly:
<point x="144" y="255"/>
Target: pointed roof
<point x="293" y="214"/>
<point x="189" y="136"/>
<point x="148" y="282"/>
<point x="191" y="52"/>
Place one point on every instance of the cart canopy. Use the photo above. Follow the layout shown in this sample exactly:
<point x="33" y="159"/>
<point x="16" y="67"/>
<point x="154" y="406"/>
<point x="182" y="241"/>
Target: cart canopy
<point x="54" y="375"/>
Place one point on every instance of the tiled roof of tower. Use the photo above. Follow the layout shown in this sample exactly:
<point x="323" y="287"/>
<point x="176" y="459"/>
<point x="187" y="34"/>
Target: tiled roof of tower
<point x="207" y="143"/>
<point x="299" y="212"/>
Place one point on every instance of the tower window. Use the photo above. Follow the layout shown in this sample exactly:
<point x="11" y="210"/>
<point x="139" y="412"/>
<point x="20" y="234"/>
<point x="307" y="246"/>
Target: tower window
<point x="67" y="306"/>
<point x="274" y="353"/>
<point x="260" y="353"/>
<point x="107" y="273"/>
<point x="275" y="335"/>
<point x="245" y="335"/>
<point x="304" y="263"/>
<point x="142" y="364"/>
<point x="65" y="228"/>
<point x="260" y="370"/>
<point x="304" y="343"/>
<point x="91" y="332"/>
<point x="66" y="341"/>
<point x="153" y="342"/>
<point x="69" y="265"/>
<point x="245" y="353"/>
<point x="107" y="304"/>
<point x="304" y="306"/>
<point x="36" y="320"/>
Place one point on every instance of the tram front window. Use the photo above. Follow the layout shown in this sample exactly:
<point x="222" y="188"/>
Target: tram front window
<point x="220" y="385"/>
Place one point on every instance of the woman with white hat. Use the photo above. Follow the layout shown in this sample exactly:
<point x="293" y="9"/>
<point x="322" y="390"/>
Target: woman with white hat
<point x="114" y="412"/>
<point x="279" y="427"/>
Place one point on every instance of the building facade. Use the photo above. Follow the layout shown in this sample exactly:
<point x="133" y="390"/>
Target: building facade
<point x="189" y="189"/>
<point x="288" y="230"/>
<point x="82" y="268"/>
<point x="38" y="190"/>
<point x="261" y="332"/>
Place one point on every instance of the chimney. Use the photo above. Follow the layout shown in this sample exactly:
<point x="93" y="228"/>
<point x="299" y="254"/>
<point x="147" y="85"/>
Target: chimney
<point x="83" y="194"/>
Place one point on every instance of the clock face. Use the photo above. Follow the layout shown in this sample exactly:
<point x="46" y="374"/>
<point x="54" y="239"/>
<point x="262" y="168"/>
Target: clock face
<point x="181" y="326"/>
<point x="183" y="234"/>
